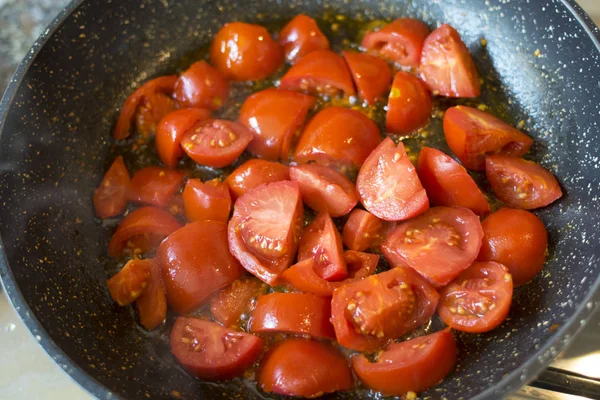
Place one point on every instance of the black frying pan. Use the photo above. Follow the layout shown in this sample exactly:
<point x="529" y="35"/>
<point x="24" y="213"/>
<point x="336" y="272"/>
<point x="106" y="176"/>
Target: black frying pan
<point x="56" y="119"/>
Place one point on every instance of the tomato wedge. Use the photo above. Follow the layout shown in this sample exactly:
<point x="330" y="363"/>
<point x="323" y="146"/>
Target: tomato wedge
<point x="129" y="283"/>
<point x="301" y="36"/>
<point x="372" y="76"/>
<point x="472" y="135"/>
<point x="361" y="230"/>
<point x="155" y="186"/>
<point x="205" y="201"/>
<point x="152" y="304"/>
<point x="438" y="244"/>
<point x="409" y="105"/>
<point x="411" y="366"/>
<point x="479" y="299"/>
<point x="254" y="173"/>
<point x="448" y="184"/>
<point x="520" y="183"/>
<point x="388" y="185"/>
<point x="151" y="111"/>
<point x="212" y="352"/>
<point x="201" y="86"/>
<point x="229" y="304"/>
<point x="110" y="197"/>
<point x="447" y="66"/>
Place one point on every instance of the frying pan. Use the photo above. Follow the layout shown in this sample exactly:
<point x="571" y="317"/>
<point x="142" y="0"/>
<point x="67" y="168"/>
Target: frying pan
<point x="58" y="112"/>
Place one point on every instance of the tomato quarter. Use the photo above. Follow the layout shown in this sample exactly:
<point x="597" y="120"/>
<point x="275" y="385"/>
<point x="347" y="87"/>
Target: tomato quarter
<point x="409" y="105"/>
<point x="155" y="186"/>
<point x="301" y="36"/>
<point x="254" y="173"/>
<point x="110" y="197"/>
<point x="129" y="283"/>
<point x="229" y="304"/>
<point x="201" y="86"/>
<point x="152" y="304"/>
<point x="361" y="230"/>
<point x="372" y="76"/>
<point x="205" y="201"/>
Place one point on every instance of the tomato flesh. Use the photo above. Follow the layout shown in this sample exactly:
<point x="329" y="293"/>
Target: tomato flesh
<point x="229" y="304"/>
<point x="152" y="304"/>
<point x="301" y="36"/>
<point x="254" y="173"/>
<point x="110" y="197"/>
<point x="129" y="283"/>
<point x="372" y="76"/>
<point x="361" y="230"/>
<point x="205" y="201"/>
<point x="409" y="105"/>
<point x="155" y="186"/>
<point x="201" y="86"/>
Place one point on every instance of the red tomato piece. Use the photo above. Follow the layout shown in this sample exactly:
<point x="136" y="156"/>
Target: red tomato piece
<point x="210" y="351"/>
<point x="129" y="283"/>
<point x="306" y="368"/>
<point x="274" y="117"/>
<point x="205" y="201"/>
<point x="245" y="52"/>
<point x="325" y="189"/>
<point x="478" y="300"/>
<point x="516" y="239"/>
<point x="195" y="263"/>
<point x="170" y="131"/>
<point x="337" y="137"/>
<point x="301" y="36"/>
<point x="201" y="85"/>
<point x="521" y="183"/>
<point x="361" y="230"/>
<point x="472" y="135"/>
<point x="409" y="105"/>
<point x="400" y="41"/>
<point x="447" y="66"/>
<point x="372" y="76"/>
<point x="151" y="111"/>
<point x="155" y="186"/>
<point x="152" y="304"/>
<point x="300" y="313"/>
<point x="448" y="184"/>
<point x="360" y="265"/>
<point x="229" y="304"/>
<point x="411" y="366"/>
<point x="388" y="184"/>
<point x="265" y="229"/>
<point x="439" y="244"/>
<point x="368" y="312"/>
<point x="215" y="142"/>
<point x="254" y="173"/>
<point x="110" y="197"/>
<point x="320" y="72"/>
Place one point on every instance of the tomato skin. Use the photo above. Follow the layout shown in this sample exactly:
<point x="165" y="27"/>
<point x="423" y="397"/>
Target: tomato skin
<point x="229" y="304"/>
<point x="301" y="36"/>
<point x="448" y="184"/>
<point x="361" y="230"/>
<point x="274" y="117"/>
<point x="195" y="263"/>
<point x="411" y="366"/>
<point x="521" y="183"/>
<point x="447" y="66"/>
<point x="337" y="137"/>
<point x="284" y="370"/>
<point x="225" y="353"/>
<point x="152" y="304"/>
<point x="400" y="41"/>
<point x="409" y="105"/>
<point x="205" y="201"/>
<point x="110" y="197"/>
<point x="201" y="85"/>
<point x="170" y="131"/>
<point x="516" y="239"/>
<point x="155" y="186"/>
<point x="245" y="52"/>
<point x="254" y="173"/>
<point x="129" y="283"/>
<point x="372" y="76"/>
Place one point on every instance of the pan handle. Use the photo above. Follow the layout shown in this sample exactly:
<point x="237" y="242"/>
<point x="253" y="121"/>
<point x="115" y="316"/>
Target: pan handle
<point x="562" y="381"/>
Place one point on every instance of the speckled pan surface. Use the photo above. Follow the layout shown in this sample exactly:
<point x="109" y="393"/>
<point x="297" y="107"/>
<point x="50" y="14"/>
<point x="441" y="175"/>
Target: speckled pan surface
<point x="56" y="120"/>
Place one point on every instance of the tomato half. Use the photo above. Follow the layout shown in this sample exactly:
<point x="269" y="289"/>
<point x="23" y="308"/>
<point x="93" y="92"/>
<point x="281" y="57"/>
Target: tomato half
<point x="128" y="284"/>
<point x="516" y="239"/>
<point x="447" y="66"/>
<point x="201" y="86"/>
<point x="155" y="186"/>
<point x="151" y="111"/>
<point x="229" y="304"/>
<point x="472" y="135"/>
<point x="388" y="184"/>
<point x="337" y="137"/>
<point x="447" y="182"/>
<point x="320" y="72"/>
<point x="274" y="117"/>
<point x="438" y="244"/>
<point x="195" y="263"/>
<point x="254" y="173"/>
<point x="212" y="352"/>
<point x="409" y="105"/>
<point x="411" y="366"/>
<point x="301" y="367"/>
<point x="361" y="230"/>
<point x="301" y="36"/>
<point x="479" y="299"/>
<point x="110" y="197"/>
<point x="215" y="142"/>
<point x="205" y="201"/>
<point x="372" y="76"/>
<point x="265" y="229"/>
<point x="152" y="304"/>
<point x="325" y="189"/>
<point x="521" y="183"/>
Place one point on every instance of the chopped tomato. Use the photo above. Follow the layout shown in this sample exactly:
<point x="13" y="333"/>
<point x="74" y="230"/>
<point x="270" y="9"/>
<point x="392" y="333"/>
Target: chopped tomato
<point x="472" y="135"/>
<point x="205" y="201"/>
<point x="265" y="229"/>
<point x="301" y="36"/>
<point x="411" y="366"/>
<point x="155" y="186"/>
<point x="215" y="142"/>
<point x="337" y="137"/>
<point x="245" y="52"/>
<point x="212" y="352"/>
<point x="320" y="72"/>
<point x="229" y="304"/>
<point x="201" y="85"/>
<point x="254" y="173"/>
<point x="325" y="189"/>
<point x="129" y="283"/>
<point x="274" y="117"/>
<point x="447" y="66"/>
<point x="152" y="304"/>
<point x="520" y="183"/>
<point x="448" y="184"/>
<point x="300" y="313"/>
<point x="361" y="230"/>
<point x="189" y="258"/>
<point x="360" y="265"/>
<point x="372" y="76"/>
<point x="306" y="368"/>
<point x="409" y="105"/>
<point x="151" y="111"/>
<point x="388" y="185"/>
<point x="438" y="244"/>
<point x="516" y="239"/>
<point x="479" y="299"/>
<point x="110" y="197"/>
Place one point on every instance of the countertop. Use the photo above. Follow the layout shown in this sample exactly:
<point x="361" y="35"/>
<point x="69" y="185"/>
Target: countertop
<point x="26" y="372"/>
